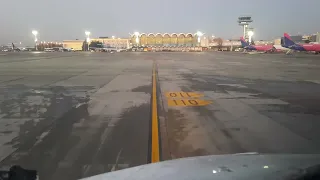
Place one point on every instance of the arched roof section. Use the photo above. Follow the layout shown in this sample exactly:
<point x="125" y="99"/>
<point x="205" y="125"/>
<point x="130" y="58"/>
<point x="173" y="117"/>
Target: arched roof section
<point x="181" y="39"/>
<point x="159" y="39"/>
<point x="189" y="35"/>
<point x="188" y="39"/>
<point x="166" y="40"/>
<point x="151" y="39"/>
<point x="164" y="34"/>
<point x="174" y="39"/>
<point x="174" y="34"/>
<point x="143" y="39"/>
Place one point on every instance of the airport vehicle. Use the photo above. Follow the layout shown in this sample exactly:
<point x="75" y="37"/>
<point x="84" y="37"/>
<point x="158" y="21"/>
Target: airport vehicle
<point x="299" y="47"/>
<point x="237" y="50"/>
<point x="67" y="49"/>
<point x="48" y="50"/>
<point x="58" y="49"/>
<point x="265" y="48"/>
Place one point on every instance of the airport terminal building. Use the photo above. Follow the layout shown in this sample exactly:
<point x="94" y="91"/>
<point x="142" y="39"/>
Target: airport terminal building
<point x="120" y="43"/>
<point x="165" y="40"/>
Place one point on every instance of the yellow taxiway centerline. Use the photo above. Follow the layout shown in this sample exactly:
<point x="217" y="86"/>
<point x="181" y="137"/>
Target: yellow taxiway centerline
<point x="155" y="153"/>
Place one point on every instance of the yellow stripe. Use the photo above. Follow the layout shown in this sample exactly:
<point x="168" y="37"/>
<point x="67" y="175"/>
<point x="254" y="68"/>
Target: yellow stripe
<point x="155" y="155"/>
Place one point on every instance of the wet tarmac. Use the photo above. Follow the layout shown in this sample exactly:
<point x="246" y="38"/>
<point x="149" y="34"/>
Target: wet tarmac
<point x="74" y="115"/>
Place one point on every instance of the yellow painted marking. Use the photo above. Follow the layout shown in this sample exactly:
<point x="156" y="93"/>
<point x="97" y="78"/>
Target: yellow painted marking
<point x="183" y="95"/>
<point x="187" y="102"/>
<point x="155" y="154"/>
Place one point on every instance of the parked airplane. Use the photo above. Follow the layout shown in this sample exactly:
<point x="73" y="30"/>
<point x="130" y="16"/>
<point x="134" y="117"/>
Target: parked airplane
<point x="288" y="43"/>
<point x="264" y="48"/>
<point x="280" y="48"/>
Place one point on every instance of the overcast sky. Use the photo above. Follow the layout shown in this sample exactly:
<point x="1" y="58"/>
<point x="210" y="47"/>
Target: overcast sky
<point x="58" y="20"/>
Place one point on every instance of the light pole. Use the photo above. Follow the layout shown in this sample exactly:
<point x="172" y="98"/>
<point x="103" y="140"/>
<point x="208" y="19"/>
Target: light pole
<point x="88" y="38"/>
<point x="115" y="43"/>
<point x="35" y="33"/>
<point x="250" y="34"/>
<point x="199" y="34"/>
<point x="137" y="34"/>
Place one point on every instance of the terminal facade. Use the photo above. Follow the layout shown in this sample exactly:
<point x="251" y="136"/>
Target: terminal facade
<point x="166" y="40"/>
<point x="120" y="43"/>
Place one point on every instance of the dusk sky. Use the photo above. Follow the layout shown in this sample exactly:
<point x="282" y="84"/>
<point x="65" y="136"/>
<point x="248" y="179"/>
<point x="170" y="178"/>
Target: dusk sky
<point x="59" y="20"/>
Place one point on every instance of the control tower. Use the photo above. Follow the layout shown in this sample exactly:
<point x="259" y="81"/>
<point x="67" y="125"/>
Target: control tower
<point x="244" y="21"/>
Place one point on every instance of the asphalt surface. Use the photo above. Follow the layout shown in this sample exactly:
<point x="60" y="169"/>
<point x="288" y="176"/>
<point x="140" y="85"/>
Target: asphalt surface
<point x="74" y="115"/>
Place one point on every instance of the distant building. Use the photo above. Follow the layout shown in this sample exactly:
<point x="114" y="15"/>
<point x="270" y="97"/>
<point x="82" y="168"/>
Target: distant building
<point x="263" y="42"/>
<point x="6" y="47"/>
<point x="167" y="40"/>
<point x="277" y="41"/>
<point x="313" y="38"/>
<point x="118" y="43"/>
<point x="297" y="39"/>
<point x="204" y="42"/>
<point x="225" y="45"/>
<point x="75" y="45"/>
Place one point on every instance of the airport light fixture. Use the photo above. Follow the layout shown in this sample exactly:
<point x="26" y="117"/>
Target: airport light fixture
<point x="137" y="34"/>
<point x="113" y="37"/>
<point x="88" y="38"/>
<point x="35" y="33"/>
<point x="199" y="34"/>
<point x="250" y="34"/>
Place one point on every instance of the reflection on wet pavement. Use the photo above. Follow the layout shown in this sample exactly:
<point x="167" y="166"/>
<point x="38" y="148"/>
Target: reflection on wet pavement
<point x="73" y="116"/>
<point x="24" y="108"/>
